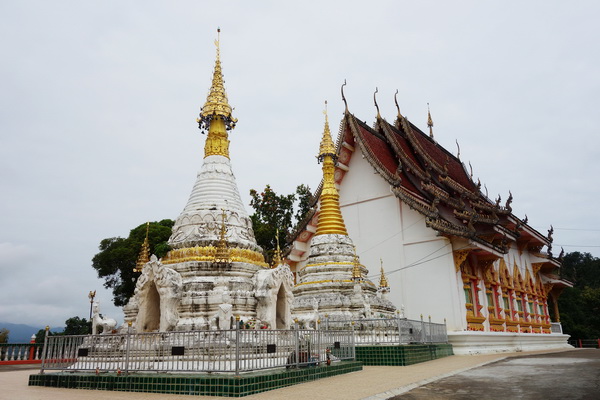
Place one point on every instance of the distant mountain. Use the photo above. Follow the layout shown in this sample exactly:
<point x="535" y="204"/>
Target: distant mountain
<point x="20" y="333"/>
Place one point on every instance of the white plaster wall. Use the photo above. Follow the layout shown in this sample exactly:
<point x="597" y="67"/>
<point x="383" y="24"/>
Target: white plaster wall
<point x="382" y="227"/>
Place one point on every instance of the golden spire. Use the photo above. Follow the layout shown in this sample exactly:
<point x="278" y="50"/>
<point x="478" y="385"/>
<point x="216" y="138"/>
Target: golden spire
<point x="144" y="256"/>
<point x="383" y="283"/>
<point x="215" y="116"/>
<point x="330" y="216"/>
<point x="222" y="253"/>
<point x="277" y="256"/>
<point x="429" y="122"/>
<point x="356" y="272"/>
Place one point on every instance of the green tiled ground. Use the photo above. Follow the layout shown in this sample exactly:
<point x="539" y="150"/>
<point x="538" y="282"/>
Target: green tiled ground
<point x="401" y="355"/>
<point x="211" y="385"/>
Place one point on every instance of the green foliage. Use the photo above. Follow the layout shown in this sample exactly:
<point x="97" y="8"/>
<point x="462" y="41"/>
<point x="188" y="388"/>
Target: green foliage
<point x="579" y="306"/>
<point x="117" y="257"/>
<point x="274" y="212"/>
<point x="77" y="326"/>
<point x="4" y="335"/>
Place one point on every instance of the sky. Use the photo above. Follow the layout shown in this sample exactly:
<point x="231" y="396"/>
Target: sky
<point x="99" y="100"/>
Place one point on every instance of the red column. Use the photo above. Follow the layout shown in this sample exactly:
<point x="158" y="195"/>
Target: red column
<point x="32" y="349"/>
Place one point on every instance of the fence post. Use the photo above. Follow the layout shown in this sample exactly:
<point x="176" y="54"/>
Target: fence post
<point x="445" y="330"/>
<point x="44" y="350"/>
<point x="580" y="344"/>
<point x="422" y="330"/>
<point x="127" y="348"/>
<point x="237" y="345"/>
<point x="599" y="343"/>
<point x="318" y="332"/>
<point x="32" y="348"/>
<point x="399" y="327"/>
<point x="353" y="342"/>
<point x="297" y="337"/>
<point x="430" y="329"/>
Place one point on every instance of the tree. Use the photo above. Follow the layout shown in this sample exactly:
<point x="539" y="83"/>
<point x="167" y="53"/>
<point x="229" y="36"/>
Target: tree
<point x="117" y="257"/>
<point x="77" y="326"/>
<point x="580" y="305"/>
<point x="273" y="212"/>
<point x="4" y="335"/>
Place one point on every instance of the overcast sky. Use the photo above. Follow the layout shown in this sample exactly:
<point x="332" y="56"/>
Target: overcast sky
<point x="99" y="101"/>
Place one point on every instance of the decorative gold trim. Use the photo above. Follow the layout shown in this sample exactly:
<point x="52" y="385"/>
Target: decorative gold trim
<point x="326" y="263"/>
<point x="333" y="281"/>
<point x="207" y="254"/>
<point x="459" y="258"/>
<point x="535" y="267"/>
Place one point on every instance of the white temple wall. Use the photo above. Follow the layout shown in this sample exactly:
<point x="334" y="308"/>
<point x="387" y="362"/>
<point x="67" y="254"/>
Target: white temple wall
<point x="382" y="227"/>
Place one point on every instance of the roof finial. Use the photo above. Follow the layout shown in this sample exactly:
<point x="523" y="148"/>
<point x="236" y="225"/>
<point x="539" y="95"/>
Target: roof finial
<point x="215" y="116"/>
<point x="327" y="147"/>
<point x="375" y="101"/>
<point x="397" y="106"/>
<point x="458" y="154"/>
<point x="343" y="97"/>
<point x="429" y="122"/>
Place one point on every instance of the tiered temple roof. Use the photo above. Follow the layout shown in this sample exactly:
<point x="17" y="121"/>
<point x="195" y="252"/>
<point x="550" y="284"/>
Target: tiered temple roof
<point x="434" y="182"/>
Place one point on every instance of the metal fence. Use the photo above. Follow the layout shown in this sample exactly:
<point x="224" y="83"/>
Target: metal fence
<point x="585" y="343"/>
<point x="391" y="331"/>
<point x="228" y="351"/>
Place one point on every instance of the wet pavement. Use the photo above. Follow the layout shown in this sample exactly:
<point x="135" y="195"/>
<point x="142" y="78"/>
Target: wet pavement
<point x="564" y="374"/>
<point x="567" y="375"/>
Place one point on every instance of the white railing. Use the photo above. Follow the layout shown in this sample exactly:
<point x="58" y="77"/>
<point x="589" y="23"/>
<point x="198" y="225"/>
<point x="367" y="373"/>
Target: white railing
<point x="228" y="351"/>
<point x="20" y="352"/>
<point x="391" y="331"/>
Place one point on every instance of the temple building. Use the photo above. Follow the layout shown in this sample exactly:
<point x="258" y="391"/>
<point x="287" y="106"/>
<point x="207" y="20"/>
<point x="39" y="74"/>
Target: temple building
<point x="451" y="253"/>
<point x="215" y="271"/>
<point x="332" y="282"/>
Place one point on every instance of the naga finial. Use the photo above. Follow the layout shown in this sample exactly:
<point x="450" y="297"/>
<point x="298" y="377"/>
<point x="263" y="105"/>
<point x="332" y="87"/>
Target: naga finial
<point x="375" y="101"/>
<point x="344" y="97"/>
<point x="458" y="146"/>
<point x="397" y="106"/>
<point x="509" y="201"/>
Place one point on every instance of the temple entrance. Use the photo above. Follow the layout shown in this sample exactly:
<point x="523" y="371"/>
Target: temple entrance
<point x="149" y="315"/>
<point x="281" y="309"/>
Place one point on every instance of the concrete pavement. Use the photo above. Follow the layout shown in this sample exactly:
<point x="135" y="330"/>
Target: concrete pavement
<point x="371" y="383"/>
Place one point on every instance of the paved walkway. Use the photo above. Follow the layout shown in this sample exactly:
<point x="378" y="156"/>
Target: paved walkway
<point x="370" y="383"/>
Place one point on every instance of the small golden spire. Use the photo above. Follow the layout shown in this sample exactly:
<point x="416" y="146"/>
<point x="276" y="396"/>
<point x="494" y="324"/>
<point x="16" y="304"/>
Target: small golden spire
<point x="330" y="216"/>
<point x="327" y="147"/>
<point x="144" y="256"/>
<point x="215" y="116"/>
<point x="429" y="122"/>
<point x="356" y="272"/>
<point x="277" y="256"/>
<point x="222" y="253"/>
<point x="383" y="283"/>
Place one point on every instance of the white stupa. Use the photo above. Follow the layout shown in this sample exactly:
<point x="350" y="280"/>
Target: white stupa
<point x="215" y="271"/>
